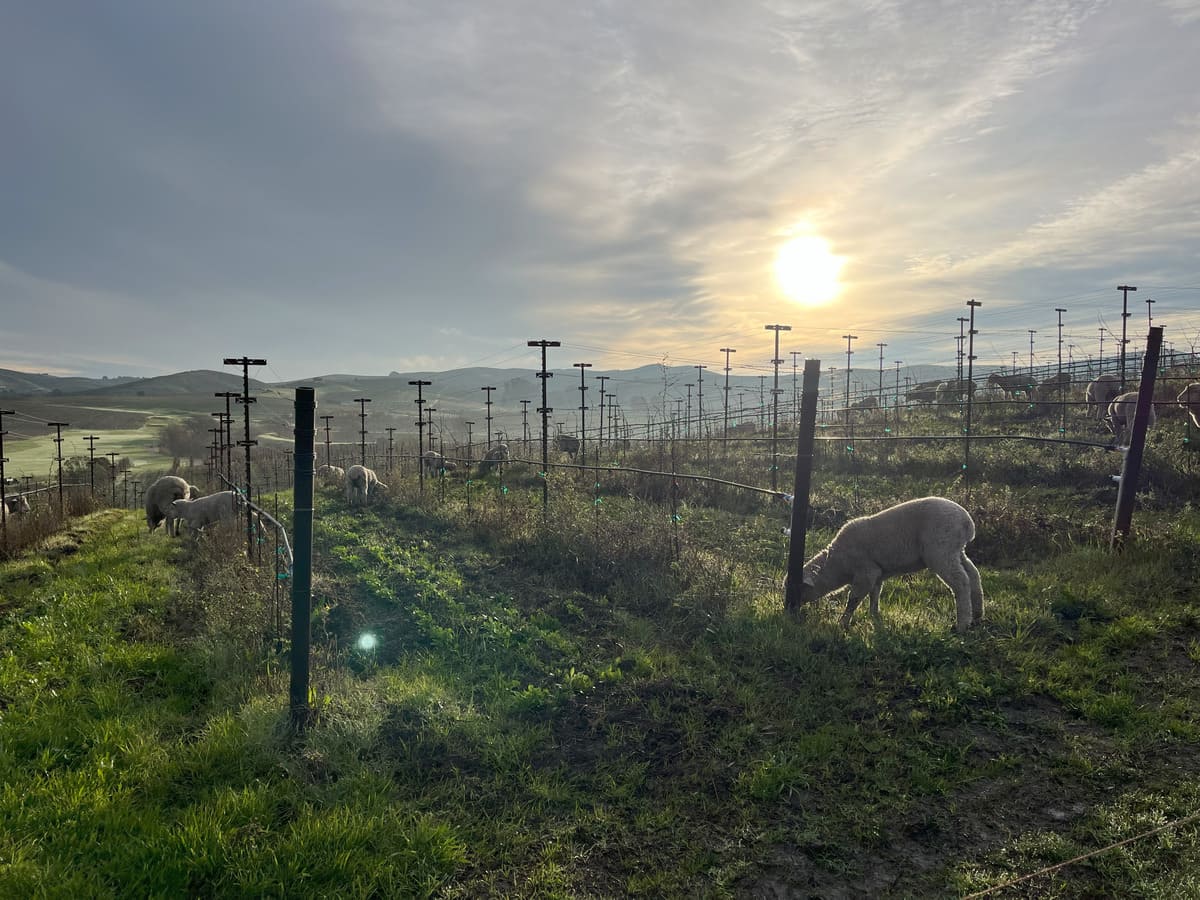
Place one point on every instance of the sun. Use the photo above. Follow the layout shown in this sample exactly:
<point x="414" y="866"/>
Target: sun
<point x="807" y="271"/>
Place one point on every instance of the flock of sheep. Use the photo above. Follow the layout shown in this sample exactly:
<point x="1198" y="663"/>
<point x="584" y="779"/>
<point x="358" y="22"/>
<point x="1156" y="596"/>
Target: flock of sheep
<point x="172" y="500"/>
<point x="925" y="533"/>
<point x="1103" y="396"/>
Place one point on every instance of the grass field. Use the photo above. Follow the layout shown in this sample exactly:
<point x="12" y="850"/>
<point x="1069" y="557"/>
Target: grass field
<point x="613" y="703"/>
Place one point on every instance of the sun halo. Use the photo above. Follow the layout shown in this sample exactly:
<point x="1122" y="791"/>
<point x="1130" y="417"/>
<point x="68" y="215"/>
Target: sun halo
<point x="807" y="271"/>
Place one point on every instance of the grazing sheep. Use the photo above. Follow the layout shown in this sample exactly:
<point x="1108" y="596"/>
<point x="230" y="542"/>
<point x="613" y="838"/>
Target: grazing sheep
<point x="870" y="402"/>
<point x="1189" y="399"/>
<point x="927" y="533"/>
<point x="219" y="507"/>
<point x="991" y="393"/>
<point x="497" y="455"/>
<point x="159" y="497"/>
<point x="925" y="392"/>
<point x="432" y="462"/>
<point x="1120" y="416"/>
<point x="1058" y="383"/>
<point x="1100" y="392"/>
<point x="331" y="474"/>
<point x="359" y="483"/>
<point x="567" y="444"/>
<point x="1012" y="384"/>
<point x="14" y="505"/>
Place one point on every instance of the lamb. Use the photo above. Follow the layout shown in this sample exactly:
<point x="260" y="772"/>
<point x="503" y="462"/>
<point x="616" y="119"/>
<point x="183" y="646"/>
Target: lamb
<point x="925" y="392"/>
<point x="1100" y="392"/>
<point x="159" y="497"/>
<point x="14" y="505"/>
<point x="1058" y="383"/>
<point x="1012" y="384"/>
<point x="496" y="455"/>
<point x="926" y="533"/>
<point x="1120" y="416"/>
<point x="219" y="507"/>
<point x="1189" y="399"/>
<point x="331" y="474"/>
<point x="359" y="482"/>
<point x="432" y="462"/>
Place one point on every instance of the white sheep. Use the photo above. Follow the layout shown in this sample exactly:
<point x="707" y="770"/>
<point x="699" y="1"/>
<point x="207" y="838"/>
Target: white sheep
<point x="926" y="533"/>
<point x="359" y="483"/>
<point x="331" y="474"/>
<point x="991" y="393"/>
<point x="219" y="507"/>
<point x="432" y="462"/>
<point x="496" y="455"/>
<point x="159" y="497"/>
<point x="1189" y="399"/>
<point x="14" y="505"/>
<point x="1120" y="415"/>
<point x="1100" y="392"/>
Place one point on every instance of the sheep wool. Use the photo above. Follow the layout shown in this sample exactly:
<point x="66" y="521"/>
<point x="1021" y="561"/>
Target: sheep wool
<point x="1100" y="392"/>
<point x="360" y="481"/>
<point x="926" y="533"/>
<point x="219" y="507"/>
<point x="331" y="474"/>
<point x="1121" y="412"/>
<point x="159" y="497"/>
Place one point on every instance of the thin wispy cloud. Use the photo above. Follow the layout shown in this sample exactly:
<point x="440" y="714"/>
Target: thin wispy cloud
<point x="353" y="185"/>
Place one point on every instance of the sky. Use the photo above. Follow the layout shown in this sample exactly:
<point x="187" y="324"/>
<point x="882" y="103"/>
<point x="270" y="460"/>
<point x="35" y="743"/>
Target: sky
<point x="366" y="186"/>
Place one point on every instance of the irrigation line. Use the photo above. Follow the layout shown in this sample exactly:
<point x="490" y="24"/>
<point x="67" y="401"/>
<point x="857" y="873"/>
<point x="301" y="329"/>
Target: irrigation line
<point x="1137" y="837"/>
<point x="263" y="514"/>
<point x="975" y="437"/>
<point x="708" y="478"/>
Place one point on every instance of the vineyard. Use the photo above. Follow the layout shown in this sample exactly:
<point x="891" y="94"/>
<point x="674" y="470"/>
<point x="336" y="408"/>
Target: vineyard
<point x="578" y="680"/>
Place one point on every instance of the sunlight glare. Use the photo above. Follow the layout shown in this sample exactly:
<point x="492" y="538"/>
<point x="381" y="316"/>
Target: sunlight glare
<point x="807" y="271"/>
<point x="367" y="642"/>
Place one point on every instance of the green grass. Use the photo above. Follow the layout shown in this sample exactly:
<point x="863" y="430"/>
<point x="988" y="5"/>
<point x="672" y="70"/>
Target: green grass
<point x="585" y="710"/>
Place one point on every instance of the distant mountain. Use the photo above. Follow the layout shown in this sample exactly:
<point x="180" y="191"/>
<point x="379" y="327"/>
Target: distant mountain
<point x="460" y="395"/>
<point x="31" y="384"/>
<point x="196" y="381"/>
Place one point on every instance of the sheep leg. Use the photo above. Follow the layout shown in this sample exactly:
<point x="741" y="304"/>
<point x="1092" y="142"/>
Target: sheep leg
<point x="976" y="590"/>
<point x="863" y="584"/>
<point x="875" y="591"/>
<point x="955" y="576"/>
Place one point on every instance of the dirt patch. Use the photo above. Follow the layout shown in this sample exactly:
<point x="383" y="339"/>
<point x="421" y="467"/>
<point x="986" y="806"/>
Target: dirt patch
<point x="975" y="819"/>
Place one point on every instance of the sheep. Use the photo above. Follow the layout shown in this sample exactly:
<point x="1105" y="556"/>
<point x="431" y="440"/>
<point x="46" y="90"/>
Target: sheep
<point x="359" y="482"/>
<point x="159" y="497"/>
<point x="1121" y="411"/>
<point x="219" y="507"/>
<point x="925" y="392"/>
<point x="868" y="402"/>
<point x="432" y="462"/>
<point x="1100" y="392"/>
<point x="331" y="474"/>
<point x="496" y="455"/>
<point x="1012" y="384"/>
<point x="1189" y="399"/>
<point x="991" y="393"/>
<point x="14" y="505"/>
<point x="567" y="444"/>
<point x="1058" y="383"/>
<point x="926" y="533"/>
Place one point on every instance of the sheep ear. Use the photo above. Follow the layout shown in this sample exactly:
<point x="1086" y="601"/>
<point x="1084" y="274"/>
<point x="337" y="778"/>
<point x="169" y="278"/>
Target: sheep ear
<point x="809" y="579"/>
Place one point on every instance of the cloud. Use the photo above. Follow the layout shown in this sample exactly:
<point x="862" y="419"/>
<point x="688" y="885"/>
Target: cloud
<point x="350" y="184"/>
